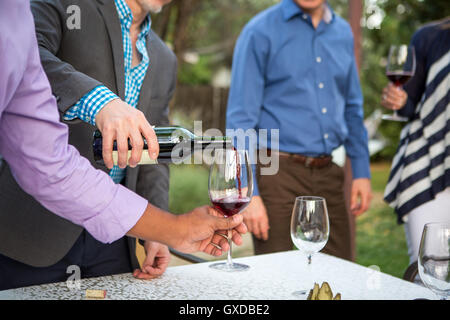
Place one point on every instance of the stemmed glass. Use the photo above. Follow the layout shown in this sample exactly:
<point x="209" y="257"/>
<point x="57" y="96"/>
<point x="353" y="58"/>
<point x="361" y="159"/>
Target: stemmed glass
<point x="434" y="258"/>
<point x="310" y="227"/>
<point x="400" y="68"/>
<point x="230" y="191"/>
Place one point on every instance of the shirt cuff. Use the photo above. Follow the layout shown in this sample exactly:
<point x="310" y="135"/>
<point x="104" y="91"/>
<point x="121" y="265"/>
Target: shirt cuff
<point x="360" y="168"/>
<point x="116" y="220"/>
<point x="87" y="108"/>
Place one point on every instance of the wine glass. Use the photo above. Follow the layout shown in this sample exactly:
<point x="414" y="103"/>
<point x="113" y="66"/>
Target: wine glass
<point x="434" y="258"/>
<point x="400" y="68"/>
<point x="230" y="191"/>
<point x="310" y="227"/>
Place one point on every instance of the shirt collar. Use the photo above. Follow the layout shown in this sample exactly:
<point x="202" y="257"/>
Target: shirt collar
<point x="291" y="9"/>
<point x="126" y="17"/>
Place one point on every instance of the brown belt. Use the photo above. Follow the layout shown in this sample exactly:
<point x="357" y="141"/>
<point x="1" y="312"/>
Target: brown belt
<point x="308" y="162"/>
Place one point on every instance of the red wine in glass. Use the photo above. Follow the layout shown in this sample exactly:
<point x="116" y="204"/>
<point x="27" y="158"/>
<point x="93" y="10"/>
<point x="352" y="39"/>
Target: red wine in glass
<point x="399" y="78"/>
<point x="229" y="206"/>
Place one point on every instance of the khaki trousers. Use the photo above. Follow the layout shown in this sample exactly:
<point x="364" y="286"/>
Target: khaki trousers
<point x="292" y="180"/>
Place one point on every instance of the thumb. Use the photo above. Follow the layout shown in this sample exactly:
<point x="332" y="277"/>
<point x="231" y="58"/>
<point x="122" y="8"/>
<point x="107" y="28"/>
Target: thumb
<point x="227" y="223"/>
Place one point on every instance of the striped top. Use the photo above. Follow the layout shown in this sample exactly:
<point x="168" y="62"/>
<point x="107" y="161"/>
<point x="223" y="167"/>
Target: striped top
<point x="89" y="105"/>
<point x="421" y="166"/>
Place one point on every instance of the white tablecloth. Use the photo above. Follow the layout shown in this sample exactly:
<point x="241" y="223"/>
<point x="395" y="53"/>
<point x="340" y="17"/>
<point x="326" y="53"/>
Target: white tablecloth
<point x="271" y="277"/>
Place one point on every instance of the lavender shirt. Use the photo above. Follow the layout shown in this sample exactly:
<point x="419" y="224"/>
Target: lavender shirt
<point x="35" y="143"/>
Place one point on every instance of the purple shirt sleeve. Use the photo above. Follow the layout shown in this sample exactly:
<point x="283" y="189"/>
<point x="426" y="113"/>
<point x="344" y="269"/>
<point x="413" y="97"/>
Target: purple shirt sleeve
<point x="35" y="143"/>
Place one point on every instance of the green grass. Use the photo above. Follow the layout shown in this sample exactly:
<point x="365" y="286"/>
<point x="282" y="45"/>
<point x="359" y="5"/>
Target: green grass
<point x="380" y="240"/>
<point x="188" y="187"/>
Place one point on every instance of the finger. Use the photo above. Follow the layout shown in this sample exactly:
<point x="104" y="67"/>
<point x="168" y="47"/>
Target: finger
<point x="265" y="229"/>
<point x="150" y="136"/>
<point x="107" y="148"/>
<point x="237" y="238"/>
<point x="213" y="250"/>
<point x="137" y="144"/>
<point x="354" y="200"/>
<point x="365" y="203"/>
<point x="242" y="228"/>
<point x="256" y="230"/>
<point x="221" y="240"/>
<point x="150" y="258"/>
<point x="154" y="271"/>
<point x="393" y="103"/>
<point x="227" y="223"/>
<point x="395" y="94"/>
<point x="143" y="276"/>
<point x="122" y="150"/>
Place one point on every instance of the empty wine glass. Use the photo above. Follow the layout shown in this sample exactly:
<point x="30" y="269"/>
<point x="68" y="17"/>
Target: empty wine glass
<point x="230" y="191"/>
<point x="309" y="227"/>
<point x="400" y="68"/>
<point x="434" y="258"/>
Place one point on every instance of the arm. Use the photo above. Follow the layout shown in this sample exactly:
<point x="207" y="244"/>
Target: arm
<point x="357" y="142"/>
<point x="68" y="84"/>
<point x="82" y="97"/>
<point x="244" y="107"/>
<point x="34" y="142"/>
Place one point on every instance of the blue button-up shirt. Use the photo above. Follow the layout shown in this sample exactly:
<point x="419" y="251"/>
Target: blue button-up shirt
<point x="88" y="106"/>
<point x="302" y="80"/>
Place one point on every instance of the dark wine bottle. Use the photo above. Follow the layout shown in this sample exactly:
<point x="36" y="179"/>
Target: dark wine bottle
<point x="175" y="145"/>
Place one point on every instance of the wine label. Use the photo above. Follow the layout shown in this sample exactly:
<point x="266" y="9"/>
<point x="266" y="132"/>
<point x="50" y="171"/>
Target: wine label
<point x="145" y="158"/>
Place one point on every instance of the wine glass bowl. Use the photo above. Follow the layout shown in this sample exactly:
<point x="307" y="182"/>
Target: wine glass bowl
<point x="230" y="191"/>
<point x="401" y="66"/>
<point x="434" y="258"/>
<point x="310" y="227"/>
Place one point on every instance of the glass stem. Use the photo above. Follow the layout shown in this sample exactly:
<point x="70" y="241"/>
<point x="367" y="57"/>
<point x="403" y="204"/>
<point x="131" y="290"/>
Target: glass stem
<point x="229" y="260"/>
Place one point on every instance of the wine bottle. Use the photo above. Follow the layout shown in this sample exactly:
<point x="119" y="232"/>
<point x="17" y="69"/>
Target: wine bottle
<point x="175" y="145"/>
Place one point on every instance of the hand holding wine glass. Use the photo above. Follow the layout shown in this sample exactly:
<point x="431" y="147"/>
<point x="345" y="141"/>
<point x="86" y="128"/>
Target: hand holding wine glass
<point x="400" y="68"/>
<point x="230" y="191"/>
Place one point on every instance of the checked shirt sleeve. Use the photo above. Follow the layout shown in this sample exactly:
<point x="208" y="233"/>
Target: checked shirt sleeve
<point x="89" y="105"/>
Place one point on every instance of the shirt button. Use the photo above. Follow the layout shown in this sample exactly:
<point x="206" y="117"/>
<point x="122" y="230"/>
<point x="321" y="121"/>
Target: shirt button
<point x="321" y="85"/>
<point x="305" y="16"/>
<point x="325" y="135"/>
<point x="319" y="59"/>
<point x="324" y="110"/>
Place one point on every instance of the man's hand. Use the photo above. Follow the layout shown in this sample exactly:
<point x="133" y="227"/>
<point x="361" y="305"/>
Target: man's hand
<point x="255" y="217"/>
<point x="206" y="230"/>
<point x="156" y="261"/>
<point x="393" y="97"/>
<point x="119" y="122"/>
<point x="361" y="196"/>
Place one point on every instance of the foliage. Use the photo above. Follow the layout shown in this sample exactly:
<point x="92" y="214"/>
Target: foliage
<point x="196" y="74"/>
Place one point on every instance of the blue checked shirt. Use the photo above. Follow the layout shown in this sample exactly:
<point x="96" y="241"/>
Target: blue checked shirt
<point x="89" y="105"/>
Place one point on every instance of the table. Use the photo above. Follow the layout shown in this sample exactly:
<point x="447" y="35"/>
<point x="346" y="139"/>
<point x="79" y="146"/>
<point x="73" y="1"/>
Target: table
<point x="271" y="277"/>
